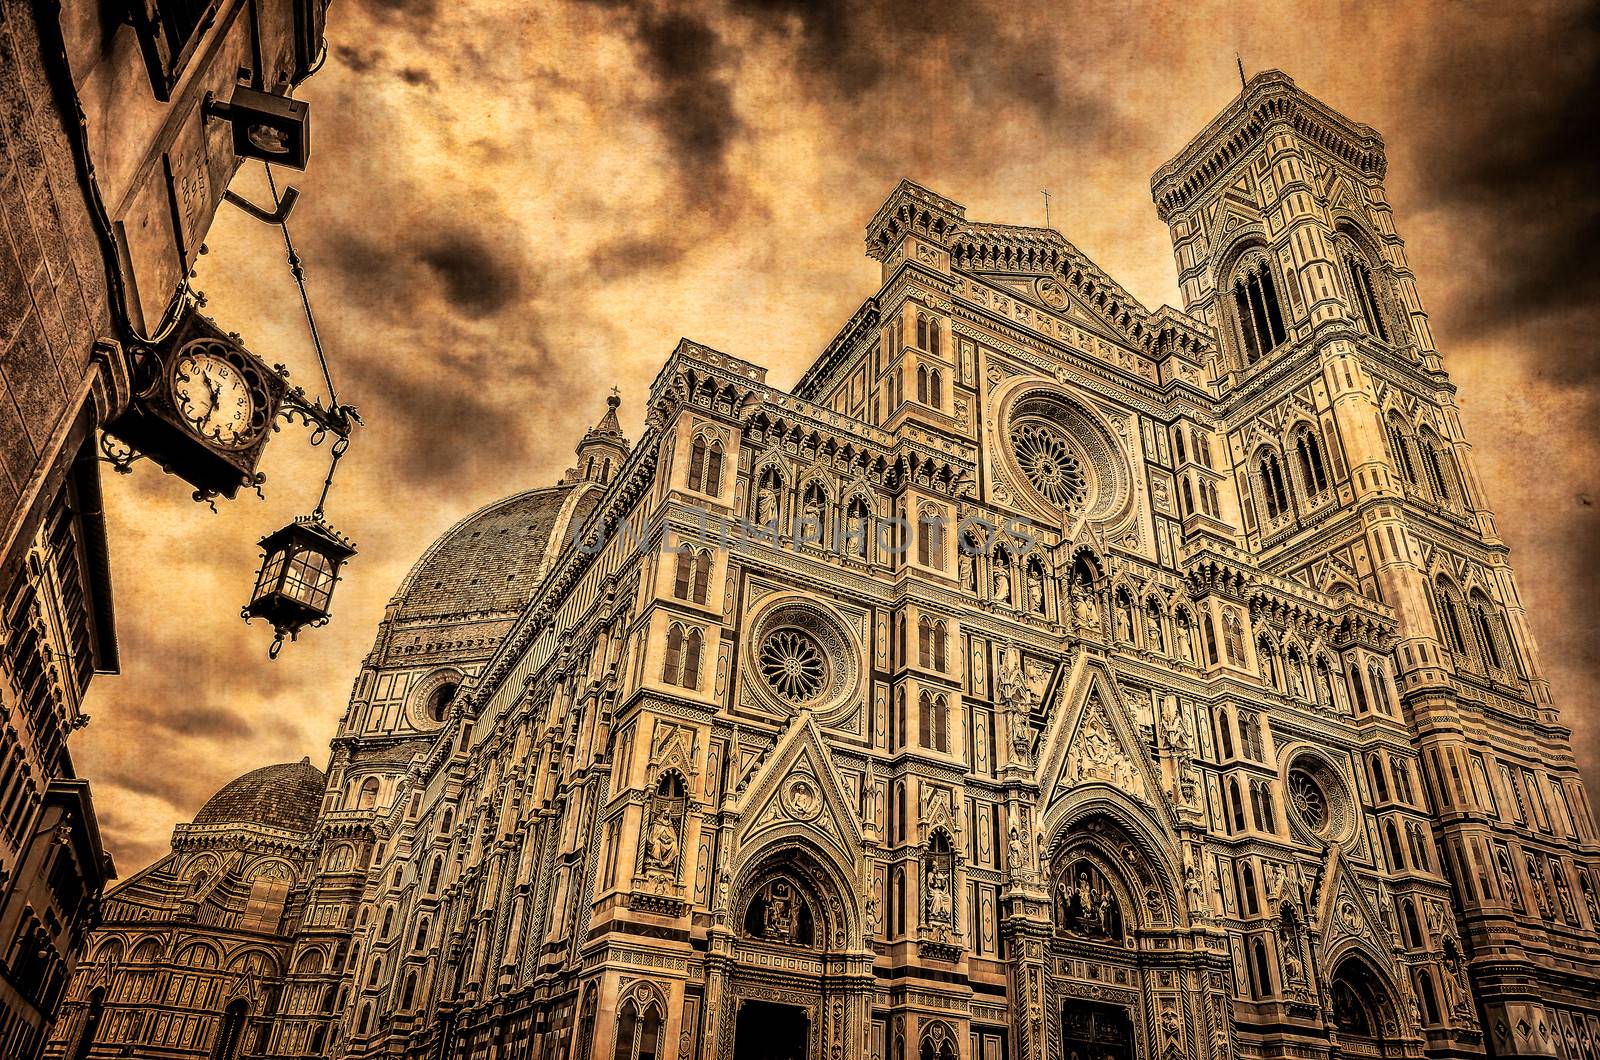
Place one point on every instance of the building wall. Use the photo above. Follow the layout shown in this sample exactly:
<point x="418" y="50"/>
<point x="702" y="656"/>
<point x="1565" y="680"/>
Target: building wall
<point x="107" y="189"/>
<point x="1171" y="760"/>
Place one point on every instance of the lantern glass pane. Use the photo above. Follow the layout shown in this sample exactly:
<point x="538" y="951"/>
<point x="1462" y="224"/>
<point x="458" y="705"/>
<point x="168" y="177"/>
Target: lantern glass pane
<point x="271" y="571"/>
<point x="309" y="579"/>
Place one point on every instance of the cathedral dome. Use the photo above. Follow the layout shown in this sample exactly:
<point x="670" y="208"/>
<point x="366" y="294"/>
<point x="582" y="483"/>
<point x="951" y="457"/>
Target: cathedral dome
<point x="492" y="560"/>
<point x="286" y="796"/>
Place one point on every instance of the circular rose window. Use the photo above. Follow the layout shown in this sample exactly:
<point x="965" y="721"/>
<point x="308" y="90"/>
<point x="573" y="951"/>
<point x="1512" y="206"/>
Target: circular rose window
<point x="1063" y="455"/>
<point x="1310" y="801"/>
<point x="793" y="665"/>
<point x="1051" y="467"/>
<point x="1320" y="799"/>
<point x="800" y="656"/>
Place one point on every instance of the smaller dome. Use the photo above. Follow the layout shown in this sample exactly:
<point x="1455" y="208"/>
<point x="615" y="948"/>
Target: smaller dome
<point x="287" y="796"/>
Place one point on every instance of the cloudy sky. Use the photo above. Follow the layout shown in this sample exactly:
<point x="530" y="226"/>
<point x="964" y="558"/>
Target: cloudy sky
<point x="513" y="206"/>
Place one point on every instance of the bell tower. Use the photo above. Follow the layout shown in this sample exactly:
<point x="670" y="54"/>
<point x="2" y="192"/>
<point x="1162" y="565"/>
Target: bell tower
<point x="1354" y="475"/>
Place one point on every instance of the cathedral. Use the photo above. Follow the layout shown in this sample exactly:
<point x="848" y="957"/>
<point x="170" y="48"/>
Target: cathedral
<point x="1040" y="677"/>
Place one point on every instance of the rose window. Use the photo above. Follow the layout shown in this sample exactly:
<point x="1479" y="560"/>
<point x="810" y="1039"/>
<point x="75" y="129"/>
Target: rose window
<point x="793" y="665"/>
<point x="1060" y="456"/>
<point x="1310" y="801"/>
<point x="1051" y="467"/>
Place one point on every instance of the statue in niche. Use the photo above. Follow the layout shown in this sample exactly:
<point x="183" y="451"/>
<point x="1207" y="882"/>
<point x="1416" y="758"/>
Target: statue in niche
<point x="1002" y="581"/>
<point x="1035" y="596"/>
<point x="1017" y="699"/>
<point x="1016" y="851"/>
<point x="1125" y="623"/>
<point x="661" y="848"/>
<point x="939" y="912"/>
<point x="767" y="500"/>
<point x="1086" y="611"/>
<point x="663" y="835"/>
<point x="1199" y="908"/>
<point x="938" y="874"/>
<point x="1297" y="681"/>
<point x="1152" y="632"/>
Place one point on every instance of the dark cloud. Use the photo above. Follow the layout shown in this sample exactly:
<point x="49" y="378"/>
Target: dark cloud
<point x="204" y="721"/>
<point x="630" y="255"/>
<point x="476" y="278"/>
<point x="1516" y="165"/>
<point x="416" y="75"/>
<point x="357" y="59"/>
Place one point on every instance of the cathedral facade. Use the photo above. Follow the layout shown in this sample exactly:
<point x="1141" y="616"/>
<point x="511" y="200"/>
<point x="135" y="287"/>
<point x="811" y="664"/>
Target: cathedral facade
<point x="1041" y="676"/>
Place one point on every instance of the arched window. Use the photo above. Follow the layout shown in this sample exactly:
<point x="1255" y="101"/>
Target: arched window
<point x="419" y="942"/>
<point x="375" y="972"/>
<point x="1411" y="926"/>
<point x="1430" y="997"/>
<point x="925" y="642"/>
<point x="435" y="873"/>
<point x="922" y="331"/>
<point x="1483" y="623"/>
<point x="1358" y="687"/>
<point x="367" y="796"/>
<point x="897" y="903"/>
<point x="1256" y="310"/>
<point x="930" y="539"/>
<point x="388" y="923"/>
<point x="1450" y="616"/>
<point x="1365" y="297"/>
<point x="638" y="1030"/>
<point x="1274" y="493"/>
<point x="1434" y="456"/>
<point x="1224" y="734"/>
<point x="1313" y="475"/>
<point x="1418" y="843"/>
<point x="1380" y="785"/>
<point x="1188" y="498"/>
<point x="1391" y="842"/>
<point x="1260" y="969"/>
<point x="1233" y="635"/>
<point x="940" y="637"/>
<point x="682" y="667"/>
<point x="705" y="465"/>
<point x="933" y="711"/>
<point x="1252" y="897"/>
<point x="409" y="996"/>
<point x="936" y="379"/>
<point x="933" y="338"/>
<point x="1400" y="444"/>
<point x="1236" y="802"/>
<point x="1211" y="637"/>
<point x="922" y="378"/>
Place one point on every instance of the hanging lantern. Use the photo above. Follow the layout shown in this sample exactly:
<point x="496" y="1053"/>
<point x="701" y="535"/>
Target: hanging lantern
<point x="299" y="567"/>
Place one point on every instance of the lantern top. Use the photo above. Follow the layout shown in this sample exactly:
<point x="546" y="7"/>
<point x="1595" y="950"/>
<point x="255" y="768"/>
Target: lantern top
<point x="312" y="531"/>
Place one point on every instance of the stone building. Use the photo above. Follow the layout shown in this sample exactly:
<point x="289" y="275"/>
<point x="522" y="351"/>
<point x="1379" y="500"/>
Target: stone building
<point x="1041" y="676"/>
<point x="110" y="173"/>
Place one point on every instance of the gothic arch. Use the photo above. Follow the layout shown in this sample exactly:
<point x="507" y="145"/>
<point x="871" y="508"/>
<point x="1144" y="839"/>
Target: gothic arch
<point x="1363" y="992"/>
<point x="1103" y="817"/>
<point x="832" y="886"/>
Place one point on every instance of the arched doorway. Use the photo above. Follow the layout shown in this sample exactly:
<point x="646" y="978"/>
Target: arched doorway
<point x="231" y="1033"/>
<point x="795" y="936"/>
<point x="91" y="1023"/>
<point x="1109" y="901"/>
<point x="1364" y="1011"/>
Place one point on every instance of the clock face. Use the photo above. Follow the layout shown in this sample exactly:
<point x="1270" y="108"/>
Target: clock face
<point x="214" y="398"/>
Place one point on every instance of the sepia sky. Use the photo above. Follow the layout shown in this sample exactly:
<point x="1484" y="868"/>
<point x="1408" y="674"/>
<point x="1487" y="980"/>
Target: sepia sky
<point x="513" y="206"/>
